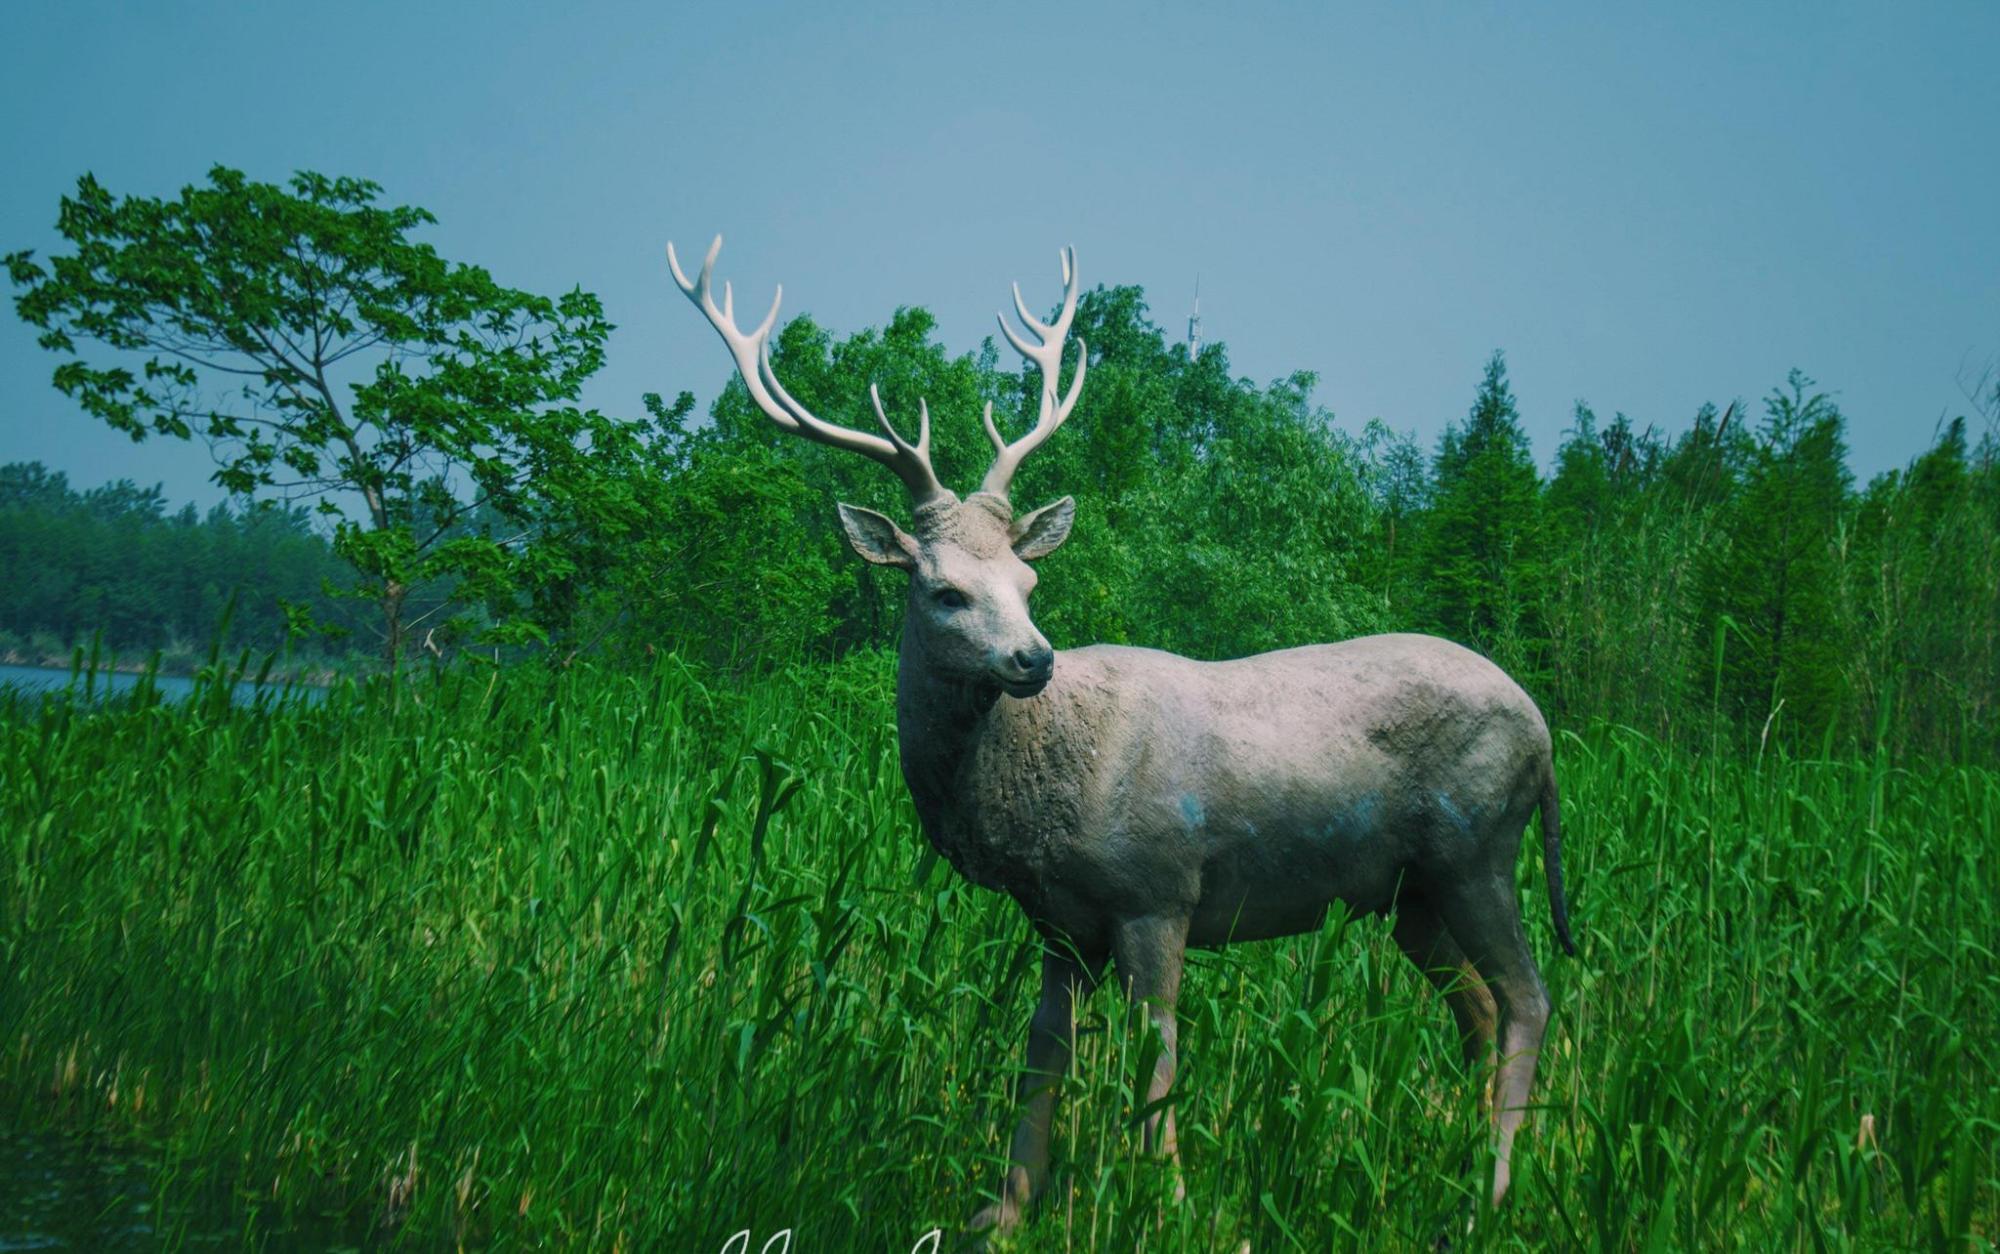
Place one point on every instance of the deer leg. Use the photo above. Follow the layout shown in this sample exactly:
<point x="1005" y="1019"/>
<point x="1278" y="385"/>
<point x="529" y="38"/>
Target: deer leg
<point x="1485" y="920"/>
<point x="1149" y="952"/>
<point x="1424" y="941"/>
<point x="1050" y="1038"/>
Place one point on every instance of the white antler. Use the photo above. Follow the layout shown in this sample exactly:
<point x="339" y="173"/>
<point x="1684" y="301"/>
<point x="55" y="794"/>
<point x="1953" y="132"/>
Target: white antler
<point x="1048" y="355"/>
<point x="910" y="462"/>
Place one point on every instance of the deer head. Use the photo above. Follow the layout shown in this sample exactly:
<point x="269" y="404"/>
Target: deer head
<point x="967" y="617"/>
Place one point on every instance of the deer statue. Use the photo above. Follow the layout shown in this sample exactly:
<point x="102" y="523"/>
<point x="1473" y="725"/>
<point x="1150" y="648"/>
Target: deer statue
<point x="1135" y="803"/>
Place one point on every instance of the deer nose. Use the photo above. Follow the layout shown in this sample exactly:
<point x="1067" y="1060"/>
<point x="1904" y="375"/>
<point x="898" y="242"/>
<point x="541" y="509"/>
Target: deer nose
<point x="1036" y="662"/>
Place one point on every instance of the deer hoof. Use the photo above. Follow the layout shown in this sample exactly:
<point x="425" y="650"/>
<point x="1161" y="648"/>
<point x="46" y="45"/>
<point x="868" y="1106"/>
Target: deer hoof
<point x="997" y="1220"/>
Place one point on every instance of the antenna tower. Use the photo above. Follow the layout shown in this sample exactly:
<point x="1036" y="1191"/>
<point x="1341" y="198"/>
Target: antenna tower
<point x="1194" y="323"/>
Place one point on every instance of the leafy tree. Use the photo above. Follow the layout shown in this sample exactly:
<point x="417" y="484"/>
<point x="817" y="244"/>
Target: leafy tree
<point x="795" y="546"/>
<point x="712" y="553"/>
<point x="324" y="353"/>
<point x="1218" y="518"/>
<point x="1263" y="542"/>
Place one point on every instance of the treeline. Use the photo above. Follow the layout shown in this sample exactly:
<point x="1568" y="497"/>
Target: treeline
<point x="1727" y="580"/>
<point x="1736" y="572"/>
<point x="113" y="560"/>
<point x="1723" y="583"/>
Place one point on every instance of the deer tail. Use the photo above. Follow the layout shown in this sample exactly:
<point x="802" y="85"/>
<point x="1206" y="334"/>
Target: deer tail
<point x="1552" y="859"/>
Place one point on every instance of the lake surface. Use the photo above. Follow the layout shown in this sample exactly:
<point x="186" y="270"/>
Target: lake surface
<point x="61" y="1192"/>
<point x="36" y="679"/>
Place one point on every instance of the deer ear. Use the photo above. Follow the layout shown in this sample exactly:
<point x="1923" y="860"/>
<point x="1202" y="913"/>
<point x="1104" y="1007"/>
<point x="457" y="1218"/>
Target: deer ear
<point x="876" y="538"/>
<point x="1038" y="534"/>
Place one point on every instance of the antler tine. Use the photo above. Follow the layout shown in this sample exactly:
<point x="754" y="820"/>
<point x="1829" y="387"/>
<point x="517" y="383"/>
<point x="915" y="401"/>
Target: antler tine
<point x="1046" y="354"/>
<point x="910" y="463"/>
<point x="922" y="448"/>
<point x="752" y="354"/>
<point x="1060" y="327"/>
<point x="992" y="432"/>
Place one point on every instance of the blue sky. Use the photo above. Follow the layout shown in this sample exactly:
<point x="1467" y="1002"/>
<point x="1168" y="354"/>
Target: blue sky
<point x="1645" y="210"/>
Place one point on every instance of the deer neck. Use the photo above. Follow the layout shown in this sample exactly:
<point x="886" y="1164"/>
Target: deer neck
<point x="996" y="782"/>
<point x="938" y="720"/>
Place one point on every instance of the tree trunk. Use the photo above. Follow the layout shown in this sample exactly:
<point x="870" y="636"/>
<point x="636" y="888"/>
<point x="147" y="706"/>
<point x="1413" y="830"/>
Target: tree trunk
<point x="393" y="595"/>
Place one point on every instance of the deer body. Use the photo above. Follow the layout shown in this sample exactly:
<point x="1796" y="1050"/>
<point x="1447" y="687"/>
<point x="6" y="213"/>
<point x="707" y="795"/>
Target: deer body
<point x="1248" y="795"/>
<point x="1135" y="803"/>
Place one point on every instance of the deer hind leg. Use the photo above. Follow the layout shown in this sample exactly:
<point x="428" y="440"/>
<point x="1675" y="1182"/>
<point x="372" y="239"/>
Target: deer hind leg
<point x="1051" y="1038"/>
<point x="1149" y="952"/>
<point x="1422" y="936"/>
<point x="1484" y="918"/>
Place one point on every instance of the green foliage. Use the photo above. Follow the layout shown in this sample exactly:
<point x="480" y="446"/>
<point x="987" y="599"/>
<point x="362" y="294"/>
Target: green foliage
<point x="857" y="605"/>
<point x="323" y="353"/>
<point x="598" y="960"/>
<point x="111" y="560"/>
<point x="1769" y="588"/>
<point x="1397" y="484"/>
<point x="1920" y="575"/>
<point x="737" y="544"/>
<point x="1481" y="551"/>
<point x="601" y="950"/>
<point x="1268" y="520"/>
<point x="1194" y="489"/>
<point x="1722" y="582"/>
<point x="1624" y="543"/>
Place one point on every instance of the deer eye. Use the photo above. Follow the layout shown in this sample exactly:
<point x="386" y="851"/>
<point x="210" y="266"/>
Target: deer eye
<point x="951" y="598"/>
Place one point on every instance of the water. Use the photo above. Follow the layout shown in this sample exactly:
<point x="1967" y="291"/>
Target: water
<point x="61" y="1192"/>
<point x="38" y="679"/>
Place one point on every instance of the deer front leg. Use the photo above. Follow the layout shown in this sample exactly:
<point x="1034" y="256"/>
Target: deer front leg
<point x="1050" y="1037"/>
<point x="1149" y="952"/>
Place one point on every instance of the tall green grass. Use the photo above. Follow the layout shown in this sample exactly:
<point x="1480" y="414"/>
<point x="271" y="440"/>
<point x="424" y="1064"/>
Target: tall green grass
<point x="595" y="960"/>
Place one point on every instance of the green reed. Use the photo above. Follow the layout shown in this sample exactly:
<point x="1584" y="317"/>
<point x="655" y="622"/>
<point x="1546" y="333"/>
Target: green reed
<point x="608" y="961"/>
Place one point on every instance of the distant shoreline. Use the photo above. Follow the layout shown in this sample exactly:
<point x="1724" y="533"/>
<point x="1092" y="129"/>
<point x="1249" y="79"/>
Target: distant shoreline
<point x="318" y="677"/>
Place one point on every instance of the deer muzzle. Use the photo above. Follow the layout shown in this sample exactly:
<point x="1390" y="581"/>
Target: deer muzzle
<point x="1027" y="671"/>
